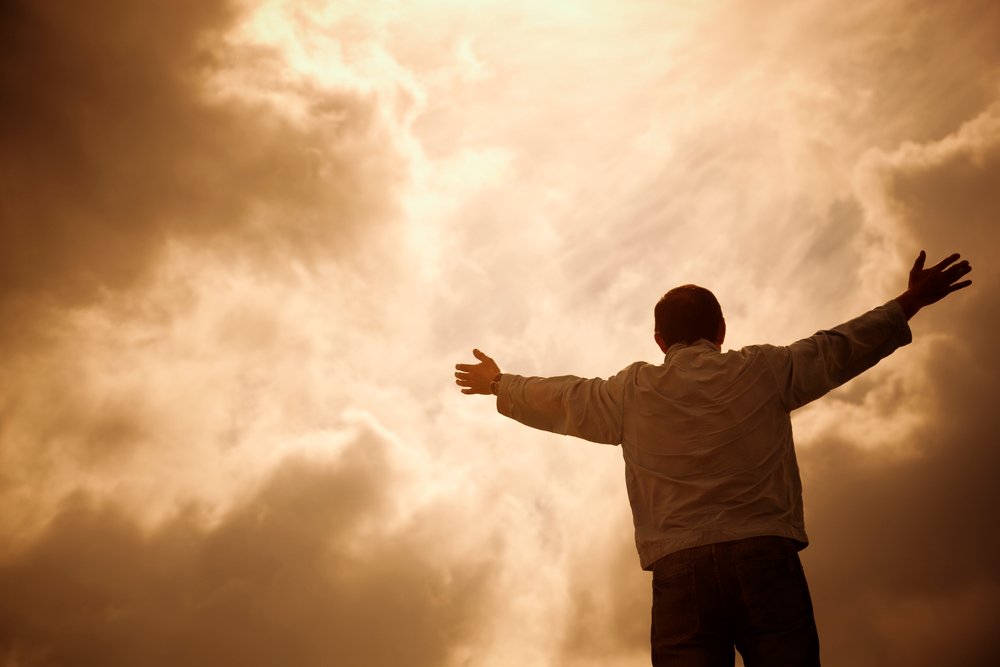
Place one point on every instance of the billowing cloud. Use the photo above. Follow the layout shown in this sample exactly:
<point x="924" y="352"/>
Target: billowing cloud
<point x="119" y="136"/>
<point x="917" y="557"/>
<point x="298" y="572"/>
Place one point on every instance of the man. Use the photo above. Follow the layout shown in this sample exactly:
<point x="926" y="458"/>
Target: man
<point x="710" y="466"/>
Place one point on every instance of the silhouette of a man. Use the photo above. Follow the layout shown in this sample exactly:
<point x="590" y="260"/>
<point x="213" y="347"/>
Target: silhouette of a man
<point x="710" y="465"/>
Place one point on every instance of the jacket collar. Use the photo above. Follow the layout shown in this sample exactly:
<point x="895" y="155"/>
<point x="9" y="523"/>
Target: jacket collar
<point x="700" y="344"/>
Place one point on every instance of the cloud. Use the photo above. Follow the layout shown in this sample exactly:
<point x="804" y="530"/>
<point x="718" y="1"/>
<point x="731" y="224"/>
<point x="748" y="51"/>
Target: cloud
<point x="912" y="535"/>
<point x="302" y="571"/>
<point x="240" y="238"/>
<point x="149" y="185"/>
<point x="117" y="141"/>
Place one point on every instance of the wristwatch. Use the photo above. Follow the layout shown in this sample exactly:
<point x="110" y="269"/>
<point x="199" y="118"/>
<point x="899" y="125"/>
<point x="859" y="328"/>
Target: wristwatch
<point x="495" y="384"/>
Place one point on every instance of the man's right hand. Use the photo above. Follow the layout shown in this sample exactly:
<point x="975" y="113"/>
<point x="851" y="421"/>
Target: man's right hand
<point x="476" y="378"/>
<point x="927" y="286"/>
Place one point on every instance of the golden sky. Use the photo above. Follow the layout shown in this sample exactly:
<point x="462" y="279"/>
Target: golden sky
<point x="242" y="245"/>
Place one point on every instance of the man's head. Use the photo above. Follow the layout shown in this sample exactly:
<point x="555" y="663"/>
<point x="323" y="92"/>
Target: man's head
<point x="686" y="314"/>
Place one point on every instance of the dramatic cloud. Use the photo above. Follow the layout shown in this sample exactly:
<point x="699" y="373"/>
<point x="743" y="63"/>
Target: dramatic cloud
<point x="297" y="573"/>
<point x="917" y="557"/>
<point x="117" y="138"/>
<point x="242" y="245"/>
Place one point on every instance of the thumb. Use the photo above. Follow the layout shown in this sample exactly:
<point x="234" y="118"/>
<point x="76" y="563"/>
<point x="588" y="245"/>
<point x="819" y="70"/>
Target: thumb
<point x="479" y="355"/>
<point x="919" y="264"/>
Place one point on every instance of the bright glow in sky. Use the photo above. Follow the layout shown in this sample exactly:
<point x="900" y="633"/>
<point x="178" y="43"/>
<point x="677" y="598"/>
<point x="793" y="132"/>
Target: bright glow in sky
<point x="242" y="247"/>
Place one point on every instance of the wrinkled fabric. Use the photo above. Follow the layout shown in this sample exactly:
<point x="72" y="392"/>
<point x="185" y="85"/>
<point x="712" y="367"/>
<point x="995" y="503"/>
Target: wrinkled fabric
<point x="707" y="435"/>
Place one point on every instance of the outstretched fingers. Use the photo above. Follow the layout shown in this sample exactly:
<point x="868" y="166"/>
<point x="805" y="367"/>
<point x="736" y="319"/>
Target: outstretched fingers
<point x="940" y="266"/>
<point x="470" y="367"/>
<point x="956" y="271"/>
<point x="958" y="286"/>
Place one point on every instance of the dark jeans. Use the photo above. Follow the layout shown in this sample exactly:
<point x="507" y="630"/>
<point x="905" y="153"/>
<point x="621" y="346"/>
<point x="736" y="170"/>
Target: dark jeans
<point x="751" y="594"/>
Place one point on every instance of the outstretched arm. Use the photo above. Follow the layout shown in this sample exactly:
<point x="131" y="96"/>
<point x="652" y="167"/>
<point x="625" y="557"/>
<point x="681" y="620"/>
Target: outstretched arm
<point x="585" y="408"/>
<point x="809" y="368"/>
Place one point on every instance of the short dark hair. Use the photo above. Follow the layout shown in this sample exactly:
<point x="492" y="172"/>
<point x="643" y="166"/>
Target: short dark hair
<point x="686" y="314"/>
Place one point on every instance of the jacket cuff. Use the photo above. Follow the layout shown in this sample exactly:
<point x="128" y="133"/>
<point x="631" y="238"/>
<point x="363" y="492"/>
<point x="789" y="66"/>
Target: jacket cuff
<point x="901" y="327"/>
<point x="503" y="393"/>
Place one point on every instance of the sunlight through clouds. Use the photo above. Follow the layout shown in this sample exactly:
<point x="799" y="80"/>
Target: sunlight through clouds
<point x="242" y="246"/>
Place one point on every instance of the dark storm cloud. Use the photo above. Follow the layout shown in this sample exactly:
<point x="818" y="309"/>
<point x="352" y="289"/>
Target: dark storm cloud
<point x="890" y="534"/>
<point x="119" y="141"/>
<point x="301" y="573"/>
<point x="111" y="144"/>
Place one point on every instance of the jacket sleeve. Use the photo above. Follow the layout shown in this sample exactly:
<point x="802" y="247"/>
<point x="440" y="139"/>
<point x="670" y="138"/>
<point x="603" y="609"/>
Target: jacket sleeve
<point x="809" y="368"/>
<point x="591" y="409"/>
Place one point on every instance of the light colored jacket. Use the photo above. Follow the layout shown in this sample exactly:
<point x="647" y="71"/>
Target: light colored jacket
<point x="706" y="435"/>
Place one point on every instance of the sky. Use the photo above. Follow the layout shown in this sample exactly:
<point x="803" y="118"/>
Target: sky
<point x="243" y="244"/>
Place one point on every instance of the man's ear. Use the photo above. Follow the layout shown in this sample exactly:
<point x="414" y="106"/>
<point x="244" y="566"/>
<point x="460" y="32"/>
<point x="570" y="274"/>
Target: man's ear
<point x="659" y="341"/>
<point x="721" y="336"/>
